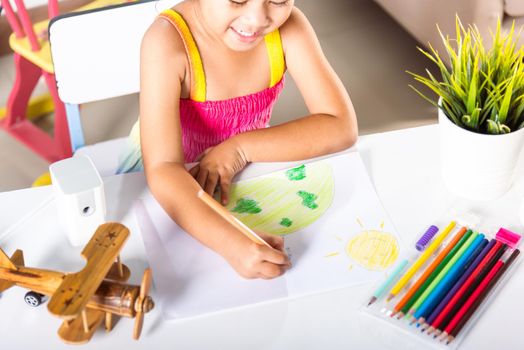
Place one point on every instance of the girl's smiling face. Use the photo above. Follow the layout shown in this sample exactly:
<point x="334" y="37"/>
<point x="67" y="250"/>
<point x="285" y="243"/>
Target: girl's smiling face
<point x="242" y="24"/>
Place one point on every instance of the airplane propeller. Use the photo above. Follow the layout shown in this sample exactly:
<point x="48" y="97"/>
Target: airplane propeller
<point x="143" y="303"/>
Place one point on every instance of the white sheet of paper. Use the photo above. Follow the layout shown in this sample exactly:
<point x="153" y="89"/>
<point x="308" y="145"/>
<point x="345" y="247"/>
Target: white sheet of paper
<point x="192" y="280"/>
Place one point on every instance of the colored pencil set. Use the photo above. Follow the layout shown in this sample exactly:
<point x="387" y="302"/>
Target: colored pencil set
<point x="446" y="284"/>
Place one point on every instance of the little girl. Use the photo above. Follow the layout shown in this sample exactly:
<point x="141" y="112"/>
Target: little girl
<point x="211" y="71"/>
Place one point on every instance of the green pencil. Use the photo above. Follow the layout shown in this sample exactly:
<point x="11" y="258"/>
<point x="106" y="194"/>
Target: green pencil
<point x="434" y="274"/>
<point x="443" y="272"/>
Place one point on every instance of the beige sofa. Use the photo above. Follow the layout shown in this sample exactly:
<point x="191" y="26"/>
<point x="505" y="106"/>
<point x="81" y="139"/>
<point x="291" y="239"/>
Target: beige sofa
<point x="419" y="17"/>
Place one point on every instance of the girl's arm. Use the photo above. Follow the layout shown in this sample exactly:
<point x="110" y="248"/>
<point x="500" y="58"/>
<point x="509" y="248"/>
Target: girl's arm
<point x="162" y="71"/>
<point x="331" y="125"/>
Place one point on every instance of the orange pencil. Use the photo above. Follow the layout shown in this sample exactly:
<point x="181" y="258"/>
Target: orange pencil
<point x="428" y="271"/>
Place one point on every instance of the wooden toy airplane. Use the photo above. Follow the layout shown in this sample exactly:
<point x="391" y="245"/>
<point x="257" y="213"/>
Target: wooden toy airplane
<point x="84" y="298"/>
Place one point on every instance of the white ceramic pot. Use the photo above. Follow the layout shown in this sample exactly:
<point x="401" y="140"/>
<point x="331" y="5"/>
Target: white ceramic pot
<point x="478" y="166"/>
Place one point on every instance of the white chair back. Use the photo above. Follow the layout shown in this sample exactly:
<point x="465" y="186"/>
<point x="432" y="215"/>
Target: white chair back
<point x="96" y="54"/>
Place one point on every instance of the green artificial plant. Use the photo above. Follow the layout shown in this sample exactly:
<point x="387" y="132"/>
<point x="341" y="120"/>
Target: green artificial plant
<point x="481" y="90"/>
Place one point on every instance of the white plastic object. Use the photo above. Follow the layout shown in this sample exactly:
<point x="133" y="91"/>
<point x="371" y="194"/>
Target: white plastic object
<point x="80" y="198"/>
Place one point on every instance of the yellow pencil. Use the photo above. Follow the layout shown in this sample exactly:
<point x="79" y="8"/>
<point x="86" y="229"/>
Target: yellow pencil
<point x="420" y="261"/>
<point x="239" y="225"/>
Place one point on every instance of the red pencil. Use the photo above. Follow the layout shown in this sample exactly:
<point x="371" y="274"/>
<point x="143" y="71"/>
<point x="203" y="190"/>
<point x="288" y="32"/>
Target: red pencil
<point x="440" y="318"/>
<point x="476" y="293"/>
<point x="482" y="295"/>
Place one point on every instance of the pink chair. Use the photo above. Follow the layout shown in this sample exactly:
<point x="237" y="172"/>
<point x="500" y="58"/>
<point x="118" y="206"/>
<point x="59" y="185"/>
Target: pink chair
<point x="32" y="57"/>
<point x="33" y="60"/>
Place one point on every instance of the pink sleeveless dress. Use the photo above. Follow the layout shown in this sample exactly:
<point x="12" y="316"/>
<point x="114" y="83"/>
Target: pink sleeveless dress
<point x="208" y="123"/>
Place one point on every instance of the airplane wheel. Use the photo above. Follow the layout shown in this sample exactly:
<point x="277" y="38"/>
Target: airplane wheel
<point x="33" y="299"/>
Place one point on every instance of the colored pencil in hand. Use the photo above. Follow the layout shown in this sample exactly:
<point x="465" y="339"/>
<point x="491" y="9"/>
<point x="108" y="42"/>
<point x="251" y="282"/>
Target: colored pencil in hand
<point x="239" y="225"/>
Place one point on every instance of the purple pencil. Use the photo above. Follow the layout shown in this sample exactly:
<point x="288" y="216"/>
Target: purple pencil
<point x="457" y="285"/>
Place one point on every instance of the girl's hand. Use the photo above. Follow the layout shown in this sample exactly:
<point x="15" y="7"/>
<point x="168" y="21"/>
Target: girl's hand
<point x="217" y="166"/>
<point x="252" y="260"/>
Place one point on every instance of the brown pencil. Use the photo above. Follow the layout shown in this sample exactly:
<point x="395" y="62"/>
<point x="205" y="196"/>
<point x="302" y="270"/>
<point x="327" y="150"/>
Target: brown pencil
<point x="453" y="334"/>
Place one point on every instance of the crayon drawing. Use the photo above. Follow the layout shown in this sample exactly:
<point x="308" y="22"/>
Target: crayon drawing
<point x="372" y="249"/>
<point x="309" y="204"/>
<point x="286" y="201"/>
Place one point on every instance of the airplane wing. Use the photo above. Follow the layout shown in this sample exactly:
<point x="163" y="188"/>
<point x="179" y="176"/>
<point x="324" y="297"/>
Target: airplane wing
<point x="74" y="331"/>
<point x="5" y="261"/>
<point x="74" y="292"/>
<point x="5" y="285"/>
<point x="16" y="260"/>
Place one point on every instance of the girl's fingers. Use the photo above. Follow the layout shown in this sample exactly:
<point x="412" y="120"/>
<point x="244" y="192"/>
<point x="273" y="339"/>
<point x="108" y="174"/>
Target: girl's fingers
<point x="276" y="242"/>
<point x="211" y="183"/>
<point x="275" y="256"/>
<point x="194" y="171"/>
<point x="202" y="177"/>
<point x="269" y="270"/>
<point x="225" y="185"/>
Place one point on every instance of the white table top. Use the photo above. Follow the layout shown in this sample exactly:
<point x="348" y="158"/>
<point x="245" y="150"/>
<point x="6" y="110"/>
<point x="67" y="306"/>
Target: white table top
<point x="403" y="166"/>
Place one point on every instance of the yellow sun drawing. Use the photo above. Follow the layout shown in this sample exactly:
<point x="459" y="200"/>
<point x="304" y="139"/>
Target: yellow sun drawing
<point x="372" y="249"/>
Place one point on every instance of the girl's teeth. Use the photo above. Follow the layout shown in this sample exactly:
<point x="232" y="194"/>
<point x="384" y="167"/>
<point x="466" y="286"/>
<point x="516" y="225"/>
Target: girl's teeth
<point x="246" y="34"/>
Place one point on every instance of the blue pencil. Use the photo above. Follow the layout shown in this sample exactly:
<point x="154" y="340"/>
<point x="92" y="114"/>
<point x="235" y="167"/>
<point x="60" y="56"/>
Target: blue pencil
<point x="465" y="275"/>
<point x="392" y="277"/>
<point x="448" y="280"/>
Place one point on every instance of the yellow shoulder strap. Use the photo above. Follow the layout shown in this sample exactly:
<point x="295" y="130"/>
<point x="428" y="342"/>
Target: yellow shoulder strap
<point x="198" y="78"/>
<point x="276" y="56"/>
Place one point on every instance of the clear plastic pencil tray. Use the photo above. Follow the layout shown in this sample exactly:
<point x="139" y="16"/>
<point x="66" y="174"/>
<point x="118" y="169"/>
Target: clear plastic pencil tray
<point x="454" y="260"/>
